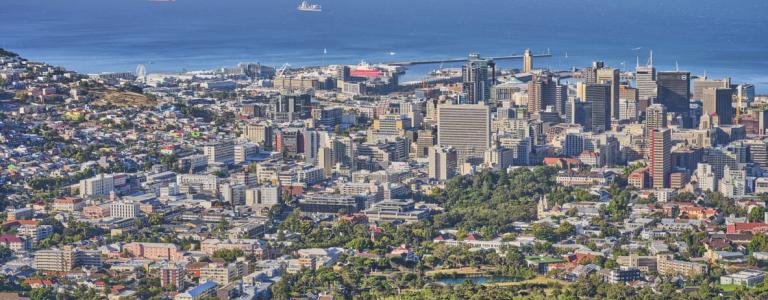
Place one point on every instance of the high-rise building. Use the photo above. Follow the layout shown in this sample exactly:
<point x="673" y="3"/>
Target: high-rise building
<point x="661" y="157"/>
<point x="706" y="177"/>
<point x="124" y="210"/>
<point x="645" y="81"/>
<point x="63" y="260"/>
<point x="598" y="95"/>
<point x="101" y="185"/>
<point x="232" y="193"/>
<point x="259" y="133"/>
<point x="245" y="152"/>
<point x="424" y="140"/>
<point x="290" y="142"/>
<point x="655" y="117"/>
<point x="580" y="112"/>
<point x="478" y="75"/>
<point x="442" y="162"/>
<point x="717" y="101"/>
<point x="544" y="91"/>
<point x="466" y="128"/>
<point x="325" y="160"/>
<point x="293" y="106"/>
<point x="590" y="73"/>
<point x="702" y="83"/>
<point x="220" y="152"/>
<point x="219" y="273"/>
<point x="311" y="145"/>
<point x="611" y="77"/>
<point x="172" y="275"/>
<point x="561" y="97"/>
<point x="527" y="61"/>
<point x="673" y="90"/>
<point x="758" y="152"/>
<point x="263" y="197"/>
<point x="627" y="109"/>
<point x="734" y="182"/>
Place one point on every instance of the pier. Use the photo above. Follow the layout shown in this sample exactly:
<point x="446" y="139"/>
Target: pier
<point x="457" y="60"/>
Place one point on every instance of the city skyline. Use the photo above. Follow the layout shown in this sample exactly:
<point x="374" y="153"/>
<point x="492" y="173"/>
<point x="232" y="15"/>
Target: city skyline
<point x="383" y="150"/>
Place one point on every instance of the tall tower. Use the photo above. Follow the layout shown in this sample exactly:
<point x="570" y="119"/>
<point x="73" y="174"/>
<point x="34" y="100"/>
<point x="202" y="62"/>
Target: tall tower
<point x="660" y="156"/>
<point x="478" y="75"/>
<point x="442" y="163"/>
<point x="527" y="61"/>
<point x="655" y="117"/>
<point x="645" y="80"/>
<point x="598" y="95"/>
<point x="610" y="76"/>
<point x="466" y="128"/>
<point x="591" y="72"/>
<point x="542" y="92"/>
<point x="718" y="101"/>
<point x="674" y="90"/>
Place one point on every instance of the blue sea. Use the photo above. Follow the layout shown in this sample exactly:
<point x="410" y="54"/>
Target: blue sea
<point x="721" y="38"/>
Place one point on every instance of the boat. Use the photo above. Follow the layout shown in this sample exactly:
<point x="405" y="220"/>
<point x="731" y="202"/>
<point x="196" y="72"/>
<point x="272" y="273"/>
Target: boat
<point x="306" y="6"/>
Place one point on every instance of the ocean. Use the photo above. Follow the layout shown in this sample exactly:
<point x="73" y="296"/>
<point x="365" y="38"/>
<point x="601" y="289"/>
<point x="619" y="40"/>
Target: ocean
<point x="719" y="38"/>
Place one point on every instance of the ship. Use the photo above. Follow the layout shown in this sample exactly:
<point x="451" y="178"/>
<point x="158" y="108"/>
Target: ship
<point x="306" y="6"/>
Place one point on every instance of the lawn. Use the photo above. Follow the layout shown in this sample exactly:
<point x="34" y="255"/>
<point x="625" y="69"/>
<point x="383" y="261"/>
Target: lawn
<point x="729" y="287"/>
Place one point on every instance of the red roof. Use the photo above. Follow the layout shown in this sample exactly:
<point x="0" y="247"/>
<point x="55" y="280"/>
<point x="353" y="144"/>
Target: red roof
<point x="751" y="227"/>
<point x="45" y="282"/>
<point x="366" y="73"/>
<point x="68" y="200"/>
<point x="472" y="237"/>
<point x="7" y="238"/>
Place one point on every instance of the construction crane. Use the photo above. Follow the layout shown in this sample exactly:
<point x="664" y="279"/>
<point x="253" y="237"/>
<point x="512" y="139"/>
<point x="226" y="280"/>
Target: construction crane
<point x="737" y="98"/>
<point x="281" y="70"/>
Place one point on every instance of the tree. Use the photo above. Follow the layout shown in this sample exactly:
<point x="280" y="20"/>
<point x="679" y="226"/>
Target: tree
<point x="228" y="255"/>
<point x="757" y="214"/>
<point x="42" y="294"/>
<point x="155" y="219"/>
<point x="565" y="230"/>
<point x="359" y="244"/>
<point x="543" y="231"/>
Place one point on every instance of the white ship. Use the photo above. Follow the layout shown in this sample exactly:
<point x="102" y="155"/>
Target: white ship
<point x="305" y="6"/>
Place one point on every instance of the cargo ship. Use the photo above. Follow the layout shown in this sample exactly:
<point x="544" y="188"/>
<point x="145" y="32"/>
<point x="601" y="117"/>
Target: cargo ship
<point x="306" y="6"/>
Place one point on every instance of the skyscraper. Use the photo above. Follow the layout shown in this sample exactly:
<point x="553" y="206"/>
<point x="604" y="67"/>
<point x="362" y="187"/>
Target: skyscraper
<point x="702" y="83"/>
<point x="660" y="156"/>
<point x="628" y="104"/>
<point x="673" y="90"/>
<point x="466" y="128"/>
<point x="542" y="92"/>
<point x="655" y="117"/>
<point x="610" y="76"/>
<point x="478" y="75"/>
<point x="645" y="80"/>
<point x="442" y="162"/>
<point x="590" y="74"/>
<point x="561" y="97"/>
<point x="580" y="113"/>
<point x="259" y="133"/>
<point x="718" y="101"/>
<point x="527" y="61"/>
<point x="598" y="96"/>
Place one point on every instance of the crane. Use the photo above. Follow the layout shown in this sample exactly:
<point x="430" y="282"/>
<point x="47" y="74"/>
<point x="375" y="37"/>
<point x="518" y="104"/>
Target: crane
<point x="281" y="70"/>
<point x="737" y="98"/>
